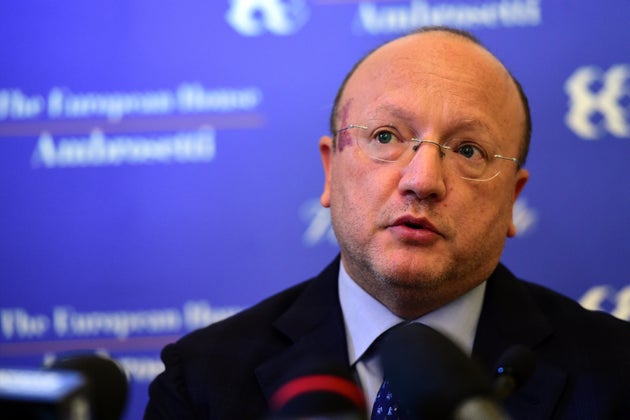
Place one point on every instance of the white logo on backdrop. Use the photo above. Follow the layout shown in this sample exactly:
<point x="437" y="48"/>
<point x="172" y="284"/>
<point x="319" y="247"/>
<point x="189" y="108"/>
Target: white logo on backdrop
<point x="603" y="298"/>
<point x="319" y="228"/>
<point x="524" y="217"/>
<point x="256" y="17"/>
<point x="99" y="149"/>
<point x="67" y="322"/>
<point x="375" y="18"/>
<point x="599" y="102"/>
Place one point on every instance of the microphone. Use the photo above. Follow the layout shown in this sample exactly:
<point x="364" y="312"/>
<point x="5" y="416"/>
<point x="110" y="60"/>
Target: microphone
<point x="325" y="394"/>
<point x="76" y="386"/>
<point x="512" y="370"/>
<point x="432" y="378"/>
<point x="36" y="394"/>
<point x="106" y="381"/>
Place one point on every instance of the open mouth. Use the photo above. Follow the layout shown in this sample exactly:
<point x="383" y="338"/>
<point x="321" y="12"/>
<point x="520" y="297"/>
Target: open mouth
<point x="416" y="223"/>
<point x="413" y="225"/>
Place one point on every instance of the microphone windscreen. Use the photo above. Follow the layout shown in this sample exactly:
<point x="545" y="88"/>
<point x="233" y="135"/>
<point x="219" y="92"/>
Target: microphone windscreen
<point x="326" y="393"/>
<point x="106" y="380"/>
<point x="428" y="373"/>
<point x="37" y="394"/>
<point x="513" y="369"/>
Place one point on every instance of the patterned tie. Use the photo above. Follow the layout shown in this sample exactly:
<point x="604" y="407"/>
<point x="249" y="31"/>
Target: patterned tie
<point x="385" y="405"/>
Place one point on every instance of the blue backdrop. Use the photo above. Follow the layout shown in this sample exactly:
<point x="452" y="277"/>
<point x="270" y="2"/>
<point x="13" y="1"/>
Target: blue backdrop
<point x="160" y="168"/>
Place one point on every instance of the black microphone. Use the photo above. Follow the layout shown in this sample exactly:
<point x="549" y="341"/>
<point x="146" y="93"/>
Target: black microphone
<point x="323" y="394"/>
<point x="76" y="386"/>
<point x="512" y="370"/>
<point x="38" y="394"/>
<point x="106" y="380"/>
<point x="432" y="378"/>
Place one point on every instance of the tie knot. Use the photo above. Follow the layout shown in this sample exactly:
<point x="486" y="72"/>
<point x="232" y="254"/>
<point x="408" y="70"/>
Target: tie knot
<point x="380" y="342"/>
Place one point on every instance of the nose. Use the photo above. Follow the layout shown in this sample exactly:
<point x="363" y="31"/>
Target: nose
<point x="423" y="176"/>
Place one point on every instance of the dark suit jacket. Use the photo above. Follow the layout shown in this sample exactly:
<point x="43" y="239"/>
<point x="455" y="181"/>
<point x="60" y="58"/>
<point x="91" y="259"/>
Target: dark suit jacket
<point x="230" y="369"/>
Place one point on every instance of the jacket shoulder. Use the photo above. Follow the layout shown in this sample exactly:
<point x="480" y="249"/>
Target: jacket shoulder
<point x="596" y="328"/>
<point x="248" y="324"/>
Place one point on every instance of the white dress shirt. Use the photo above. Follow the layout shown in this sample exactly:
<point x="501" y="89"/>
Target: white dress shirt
<point x="366" y="319"/>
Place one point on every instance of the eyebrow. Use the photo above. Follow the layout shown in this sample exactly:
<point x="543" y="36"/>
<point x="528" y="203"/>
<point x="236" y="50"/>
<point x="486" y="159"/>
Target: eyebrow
<point x="471" y="124"/>
<point x="455" y="126"/>
<point x="395" y="112"/>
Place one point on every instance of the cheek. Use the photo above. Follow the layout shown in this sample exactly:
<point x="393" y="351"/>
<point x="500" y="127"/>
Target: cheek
<point x="360" y="185"/>
<point x="470" y="206"/>
<point x="491" y="212"/>
<point x="350" y="186"/>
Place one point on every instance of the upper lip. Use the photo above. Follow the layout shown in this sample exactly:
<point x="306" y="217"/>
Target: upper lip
<point x="416" y="222"/>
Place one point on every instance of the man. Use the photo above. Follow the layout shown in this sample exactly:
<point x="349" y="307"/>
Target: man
<point x="430" y="132"/>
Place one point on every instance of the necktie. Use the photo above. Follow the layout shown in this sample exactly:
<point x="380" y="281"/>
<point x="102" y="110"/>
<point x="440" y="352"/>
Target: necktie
<point x="385" y="404"/>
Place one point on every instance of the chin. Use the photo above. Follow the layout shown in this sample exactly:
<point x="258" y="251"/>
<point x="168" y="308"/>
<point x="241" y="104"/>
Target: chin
<point x="411" y="276"/>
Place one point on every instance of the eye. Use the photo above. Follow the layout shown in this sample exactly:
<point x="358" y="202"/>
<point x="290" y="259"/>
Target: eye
<point x="470" y="151"/>
<point x="385" y="137"/>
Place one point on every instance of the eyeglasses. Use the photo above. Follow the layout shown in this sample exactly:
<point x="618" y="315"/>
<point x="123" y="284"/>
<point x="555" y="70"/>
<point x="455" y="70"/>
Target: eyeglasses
<point x="470" y="159"/>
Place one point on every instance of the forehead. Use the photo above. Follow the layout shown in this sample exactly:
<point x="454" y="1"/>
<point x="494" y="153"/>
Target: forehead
<point x="435" y="76"/>
<point x="425" y="58"/>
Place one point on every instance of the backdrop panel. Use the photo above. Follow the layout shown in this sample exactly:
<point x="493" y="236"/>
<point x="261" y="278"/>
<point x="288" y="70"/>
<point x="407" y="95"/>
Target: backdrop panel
<point x="160" y="169"/>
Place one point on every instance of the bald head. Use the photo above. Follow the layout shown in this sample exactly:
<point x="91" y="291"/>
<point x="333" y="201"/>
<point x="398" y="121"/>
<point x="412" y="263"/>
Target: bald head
<point x="458" y="51"/>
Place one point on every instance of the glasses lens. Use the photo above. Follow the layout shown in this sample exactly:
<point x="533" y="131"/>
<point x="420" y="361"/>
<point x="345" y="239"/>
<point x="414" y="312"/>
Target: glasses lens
<point x="467" y="158"/>
<point x="381" y="141"/>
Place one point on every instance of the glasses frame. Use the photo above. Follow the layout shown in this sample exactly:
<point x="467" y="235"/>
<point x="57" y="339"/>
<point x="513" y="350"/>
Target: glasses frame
<point x="419" y="142"/>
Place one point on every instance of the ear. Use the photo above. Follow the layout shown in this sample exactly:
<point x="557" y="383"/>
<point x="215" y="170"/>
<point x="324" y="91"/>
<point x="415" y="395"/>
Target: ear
<point x="521" y="179"/>
<point x="326" y="151"/>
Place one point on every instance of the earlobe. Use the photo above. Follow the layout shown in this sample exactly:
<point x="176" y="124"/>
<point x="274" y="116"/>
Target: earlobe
<point x="521" y="179"/>
<point x="511" y="230"/>
<point x="326" y="151"/>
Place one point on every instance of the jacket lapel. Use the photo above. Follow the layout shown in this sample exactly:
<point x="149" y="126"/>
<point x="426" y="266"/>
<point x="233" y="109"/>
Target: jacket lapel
<point x="314" y="328"/>
<point x="511" y="317"/>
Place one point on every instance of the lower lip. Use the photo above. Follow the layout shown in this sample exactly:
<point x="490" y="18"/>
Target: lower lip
<point x="414" y="236"/>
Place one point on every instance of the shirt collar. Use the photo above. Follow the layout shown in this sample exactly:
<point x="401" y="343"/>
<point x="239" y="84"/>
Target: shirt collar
<point x="366" y="318"/>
